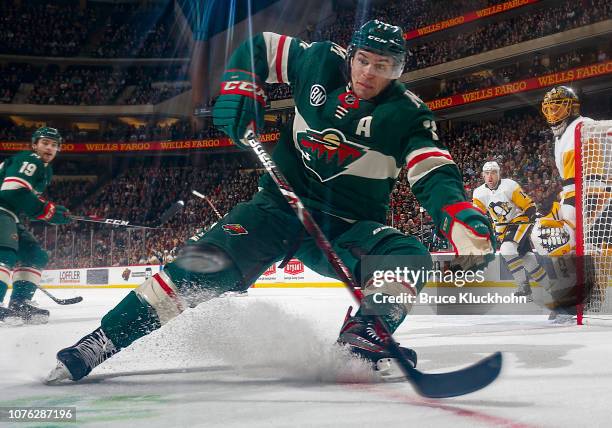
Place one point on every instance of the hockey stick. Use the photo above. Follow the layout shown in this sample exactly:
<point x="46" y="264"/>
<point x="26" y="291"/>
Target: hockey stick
<point x="438" y="385"/>
<point x="201" y="196"/>
<point x="70" y="301"/>
<point x="170" y="212"/>
<point x="111" y="221"/>
<point x="511" y="224"/>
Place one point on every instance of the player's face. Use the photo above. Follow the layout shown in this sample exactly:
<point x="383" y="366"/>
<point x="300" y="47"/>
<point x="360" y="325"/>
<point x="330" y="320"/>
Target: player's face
<point x="491" y="178"/>
<point x="46" y="148"/>
<point x="368" y="71"/>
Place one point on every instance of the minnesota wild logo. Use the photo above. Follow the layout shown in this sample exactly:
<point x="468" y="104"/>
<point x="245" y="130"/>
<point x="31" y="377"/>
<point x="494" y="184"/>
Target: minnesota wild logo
<point x="328" y="153"/>
<point x="235" y="229"/>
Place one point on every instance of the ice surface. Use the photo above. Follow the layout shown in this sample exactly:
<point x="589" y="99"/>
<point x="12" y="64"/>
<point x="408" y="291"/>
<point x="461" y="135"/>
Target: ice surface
<point x="268" y="360"/>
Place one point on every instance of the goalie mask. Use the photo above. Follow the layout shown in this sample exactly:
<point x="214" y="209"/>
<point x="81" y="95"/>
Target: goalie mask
<point x="382" y="39"/>
<point x="559" y="107"/>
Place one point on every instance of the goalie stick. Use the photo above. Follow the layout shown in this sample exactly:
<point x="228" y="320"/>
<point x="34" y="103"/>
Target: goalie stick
<point x="438" y="385"/>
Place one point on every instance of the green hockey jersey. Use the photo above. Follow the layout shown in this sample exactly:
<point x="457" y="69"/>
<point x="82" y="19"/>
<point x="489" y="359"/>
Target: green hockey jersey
<point x="343" y="154"/>
<point x="23" y="178"/>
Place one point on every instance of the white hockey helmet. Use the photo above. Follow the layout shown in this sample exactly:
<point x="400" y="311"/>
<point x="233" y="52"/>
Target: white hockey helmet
<point x="490" y="166"/>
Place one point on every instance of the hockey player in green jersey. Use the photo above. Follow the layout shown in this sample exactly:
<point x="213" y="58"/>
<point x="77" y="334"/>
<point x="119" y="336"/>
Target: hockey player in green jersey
<point x="23" y="178"/>
<point x="355" y="127"/>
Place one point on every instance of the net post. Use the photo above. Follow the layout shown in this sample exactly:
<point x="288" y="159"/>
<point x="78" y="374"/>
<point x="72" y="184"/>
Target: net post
<point x="578" y="177"/>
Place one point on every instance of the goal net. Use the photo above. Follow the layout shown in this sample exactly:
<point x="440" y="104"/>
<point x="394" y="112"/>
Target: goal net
<point x="593" y="161"/>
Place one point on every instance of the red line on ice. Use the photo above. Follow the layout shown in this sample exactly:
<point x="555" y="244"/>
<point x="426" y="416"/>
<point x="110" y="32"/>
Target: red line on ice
<point x="420" y="402"/>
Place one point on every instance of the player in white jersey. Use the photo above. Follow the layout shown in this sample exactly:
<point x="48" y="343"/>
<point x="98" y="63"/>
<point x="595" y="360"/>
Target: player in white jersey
<point x="504" y="200"/>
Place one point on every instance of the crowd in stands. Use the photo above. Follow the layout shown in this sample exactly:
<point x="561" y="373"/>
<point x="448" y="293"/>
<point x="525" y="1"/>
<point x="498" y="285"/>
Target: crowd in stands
<point x="408" y="14"/>
<point x="538" y="66"/>
<point x="44" y="29"/>
<point x="78" y="85"/>
<point x="147" y="93"/>
<point x="11" y="76"/>
<point x="132" y="30"/>
<point x="137" y="34"/>
<point x="564" y="16"/>
<point x="95" y="85"/>
<point x="64" y="29"/>
<point x="142" y="194"/>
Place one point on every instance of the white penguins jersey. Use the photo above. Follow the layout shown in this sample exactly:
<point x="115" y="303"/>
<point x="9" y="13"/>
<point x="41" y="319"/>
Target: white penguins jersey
<point x="506" y="203"/>
<point x="564" y="160"/>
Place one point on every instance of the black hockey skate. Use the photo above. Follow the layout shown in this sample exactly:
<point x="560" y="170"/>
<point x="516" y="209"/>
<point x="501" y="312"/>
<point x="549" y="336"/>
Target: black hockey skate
<point x="77" y="361"/>
<point x="29" y="313"/>
<point x="367" y="341"/>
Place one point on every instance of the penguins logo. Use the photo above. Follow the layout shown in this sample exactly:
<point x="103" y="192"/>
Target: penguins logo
<point x="501" y="210"/>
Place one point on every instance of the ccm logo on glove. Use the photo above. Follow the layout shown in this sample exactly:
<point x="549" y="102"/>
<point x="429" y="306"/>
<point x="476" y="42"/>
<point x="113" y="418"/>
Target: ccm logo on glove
<point x="248" y="89"/>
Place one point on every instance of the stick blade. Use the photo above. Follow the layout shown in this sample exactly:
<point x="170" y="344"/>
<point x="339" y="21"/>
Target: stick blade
<point x="71" y="301"/>
<point x="460" y="382"/>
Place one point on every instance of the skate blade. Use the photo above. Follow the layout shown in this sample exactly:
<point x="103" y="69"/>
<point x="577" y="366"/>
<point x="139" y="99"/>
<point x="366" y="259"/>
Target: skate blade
<point x="58" y="375"/>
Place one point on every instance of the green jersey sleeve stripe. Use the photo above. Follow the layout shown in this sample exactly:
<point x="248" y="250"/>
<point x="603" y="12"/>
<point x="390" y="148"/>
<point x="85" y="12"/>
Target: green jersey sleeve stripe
<point x="14" y="183"/>
<point x="421" y="162"/>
